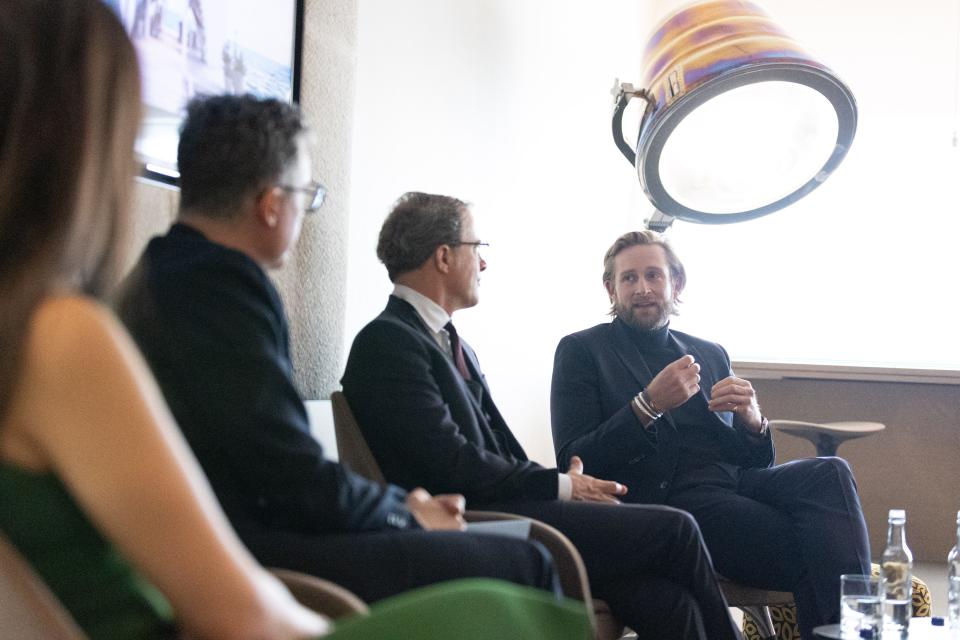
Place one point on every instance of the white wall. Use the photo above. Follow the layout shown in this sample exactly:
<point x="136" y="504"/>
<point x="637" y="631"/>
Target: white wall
<point x="860" y="271"/>
<point x="505" y="103"/>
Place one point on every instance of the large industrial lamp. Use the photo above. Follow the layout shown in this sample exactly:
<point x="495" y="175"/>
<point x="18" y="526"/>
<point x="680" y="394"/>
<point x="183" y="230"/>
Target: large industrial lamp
<point x="739" y="120"/>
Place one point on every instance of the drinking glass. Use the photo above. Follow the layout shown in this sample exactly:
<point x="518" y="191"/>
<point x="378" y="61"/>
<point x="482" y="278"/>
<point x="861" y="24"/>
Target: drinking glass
<point x="861" y="604"/>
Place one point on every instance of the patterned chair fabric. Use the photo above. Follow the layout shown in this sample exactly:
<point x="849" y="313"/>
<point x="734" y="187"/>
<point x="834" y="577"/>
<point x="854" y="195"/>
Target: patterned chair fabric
<point x="785" y="616"/>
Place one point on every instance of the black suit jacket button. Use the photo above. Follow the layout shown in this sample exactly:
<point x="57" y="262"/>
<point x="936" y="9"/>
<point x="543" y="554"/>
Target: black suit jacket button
<point x="664" y="484"/>
<point x="636" y="460"/>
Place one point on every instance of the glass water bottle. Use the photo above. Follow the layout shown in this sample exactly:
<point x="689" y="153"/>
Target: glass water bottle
<point x="897" y="565"/>
<point x="953" y="582"/>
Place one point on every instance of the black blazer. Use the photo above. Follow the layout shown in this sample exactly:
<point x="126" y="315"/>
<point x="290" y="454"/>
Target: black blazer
<point x="213" y="330"/>
<point x="425" y="424"/>
<point x="596" y="374"/>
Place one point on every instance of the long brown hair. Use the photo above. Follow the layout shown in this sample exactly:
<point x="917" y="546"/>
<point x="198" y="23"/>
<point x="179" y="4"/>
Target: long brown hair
<point x="69" y="108"/>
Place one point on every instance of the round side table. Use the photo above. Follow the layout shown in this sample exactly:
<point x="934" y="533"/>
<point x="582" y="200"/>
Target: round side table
<point x="920" y="629"/>
<point x="827" y="436"/>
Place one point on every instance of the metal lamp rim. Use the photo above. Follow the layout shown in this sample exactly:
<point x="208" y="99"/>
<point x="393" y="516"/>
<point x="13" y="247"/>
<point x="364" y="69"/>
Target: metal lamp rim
<point x="656" y="129"/>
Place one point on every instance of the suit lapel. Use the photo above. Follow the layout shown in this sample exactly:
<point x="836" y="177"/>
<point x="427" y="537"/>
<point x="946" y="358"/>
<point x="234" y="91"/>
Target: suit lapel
<point x="405" y="311"/>
<point x="476" y="388"/>
<point x="487" y="411"/>
<point x="633" y="360"/>
<point x="629" y="355"/>
<point x="708" y="375"/>
<point x="489" y="415"/>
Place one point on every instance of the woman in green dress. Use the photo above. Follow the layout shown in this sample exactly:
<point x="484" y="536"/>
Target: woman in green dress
<point x="97" y="487"/>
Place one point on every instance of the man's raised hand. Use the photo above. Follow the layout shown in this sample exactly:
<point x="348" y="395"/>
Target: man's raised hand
<point x="676" y="384"/>
<point x="737" y="395"/>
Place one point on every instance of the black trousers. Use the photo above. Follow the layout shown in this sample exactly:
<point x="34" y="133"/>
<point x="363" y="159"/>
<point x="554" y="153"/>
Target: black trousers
<point x="793" y="527"/>
<point x="377" y="565"/>
<point x="648" y="563"/>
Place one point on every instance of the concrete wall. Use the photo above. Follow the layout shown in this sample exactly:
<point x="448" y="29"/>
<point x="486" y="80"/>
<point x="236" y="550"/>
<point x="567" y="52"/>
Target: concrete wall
<point x="313" y="284"/>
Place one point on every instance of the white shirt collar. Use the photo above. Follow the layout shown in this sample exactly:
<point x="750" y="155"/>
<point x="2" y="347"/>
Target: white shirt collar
<point x="429" y="311"/>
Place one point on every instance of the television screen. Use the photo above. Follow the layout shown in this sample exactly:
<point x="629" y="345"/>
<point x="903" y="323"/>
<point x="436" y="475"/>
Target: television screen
<point x="191" y="47"/>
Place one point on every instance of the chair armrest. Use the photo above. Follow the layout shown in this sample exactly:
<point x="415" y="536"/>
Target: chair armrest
<point x="321" y="595"/>
<point x="28" y="609"/>
<point x="570" y="568"/>
<point x="573" y="574"/>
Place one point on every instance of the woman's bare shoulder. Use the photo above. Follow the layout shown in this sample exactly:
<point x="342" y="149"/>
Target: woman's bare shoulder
<point x="67" y="340"/>
<point x="75" y="346"/>
<point x="66" y="326"/>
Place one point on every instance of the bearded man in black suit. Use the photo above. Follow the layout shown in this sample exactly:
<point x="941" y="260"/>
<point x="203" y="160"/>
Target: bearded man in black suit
<point x="426" y="411"/>
<point x="663" y="412"/>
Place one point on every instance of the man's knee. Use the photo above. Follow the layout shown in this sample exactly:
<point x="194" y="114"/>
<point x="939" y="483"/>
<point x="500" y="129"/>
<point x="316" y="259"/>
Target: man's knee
<point x="822" y="469"/>
<point x="835" y="467"/>
<point x="682" y="523"/>
<point x="675" y="525"/>
<point x="837" y="463"/>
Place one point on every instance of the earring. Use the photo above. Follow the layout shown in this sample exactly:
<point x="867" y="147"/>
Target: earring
<point x="271" y="221"/>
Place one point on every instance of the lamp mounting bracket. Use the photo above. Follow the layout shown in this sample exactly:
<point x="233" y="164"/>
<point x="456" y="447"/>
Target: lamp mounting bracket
<point x="658" y="221"/>
<point x="621" y="89"/>
<point x="623" y="93"/>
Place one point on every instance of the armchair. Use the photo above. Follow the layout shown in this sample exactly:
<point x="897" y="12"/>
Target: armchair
<point x="30" y="611"/>
<point x="353" y="450"/>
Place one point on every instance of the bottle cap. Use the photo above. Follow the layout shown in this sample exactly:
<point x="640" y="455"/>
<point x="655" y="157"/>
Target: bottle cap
<point x="898" y="514"/>
<point x="936" y="621"/>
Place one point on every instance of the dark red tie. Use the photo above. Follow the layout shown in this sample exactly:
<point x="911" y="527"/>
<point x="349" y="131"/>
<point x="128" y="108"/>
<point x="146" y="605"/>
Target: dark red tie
<point x="457" y="350"/>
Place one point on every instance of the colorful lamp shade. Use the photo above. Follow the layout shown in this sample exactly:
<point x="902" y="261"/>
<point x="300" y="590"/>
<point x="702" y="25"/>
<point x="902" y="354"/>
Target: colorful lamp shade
<point x="740" y="121"/>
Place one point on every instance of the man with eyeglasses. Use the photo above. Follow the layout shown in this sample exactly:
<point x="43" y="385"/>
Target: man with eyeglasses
<point x="202" y="309"/>
<point x="427" y="414"/>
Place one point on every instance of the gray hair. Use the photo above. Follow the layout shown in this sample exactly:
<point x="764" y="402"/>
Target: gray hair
<point x="417" y="225"/>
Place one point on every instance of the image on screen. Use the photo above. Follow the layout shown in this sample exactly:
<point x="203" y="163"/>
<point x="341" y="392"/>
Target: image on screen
<point x="192" y="47"/>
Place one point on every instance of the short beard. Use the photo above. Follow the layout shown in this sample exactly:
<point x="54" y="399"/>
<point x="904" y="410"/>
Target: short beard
<point x="664" y="311"/>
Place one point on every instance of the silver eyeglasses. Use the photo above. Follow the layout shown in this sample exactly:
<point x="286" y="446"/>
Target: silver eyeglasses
<point x="316" y="191"/>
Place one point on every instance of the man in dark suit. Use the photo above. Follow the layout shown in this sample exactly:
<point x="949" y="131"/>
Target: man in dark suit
<point x="427" y="414"/>
<point x="212" y="327"/>
<point x="662" y="411"/>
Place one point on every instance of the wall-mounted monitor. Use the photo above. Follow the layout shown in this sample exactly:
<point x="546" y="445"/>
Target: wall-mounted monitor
<point x="192" y="47"/>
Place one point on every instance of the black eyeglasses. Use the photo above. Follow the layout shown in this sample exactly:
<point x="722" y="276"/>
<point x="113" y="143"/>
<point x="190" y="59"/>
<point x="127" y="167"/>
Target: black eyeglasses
<point x="316" y="191"/>
<point x="476" y="245"/>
